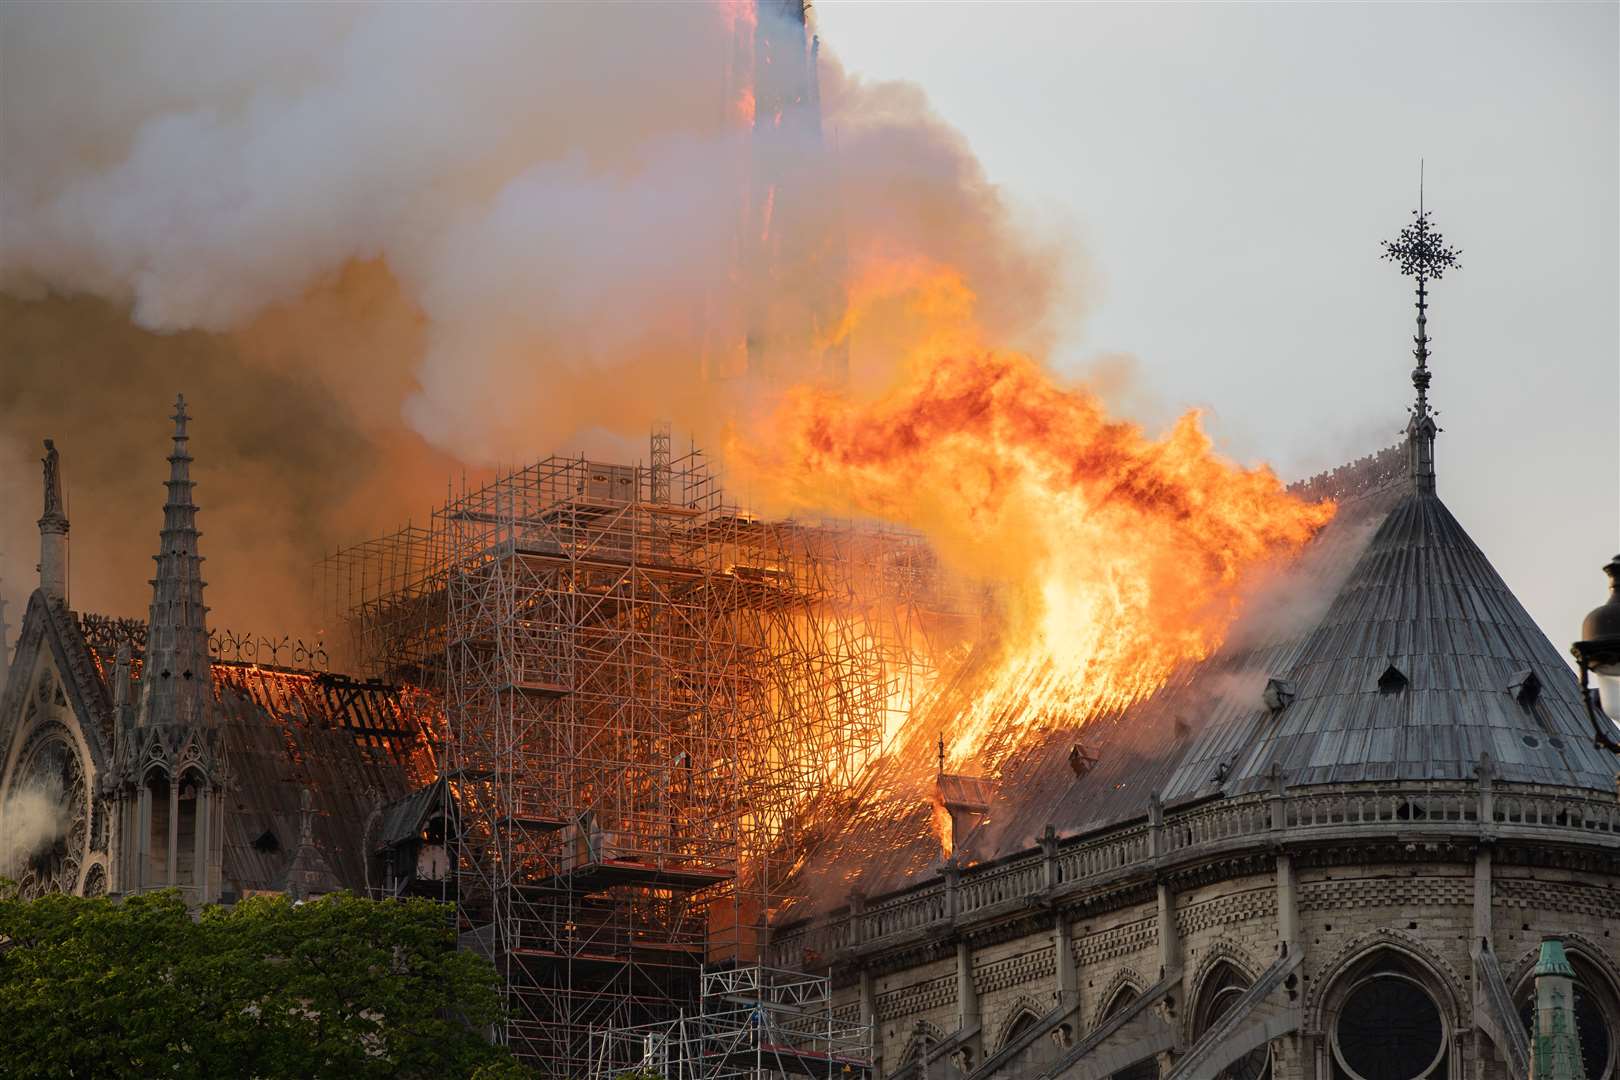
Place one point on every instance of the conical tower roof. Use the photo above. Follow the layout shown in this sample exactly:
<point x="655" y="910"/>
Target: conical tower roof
<point x="1423" y="661"/>
<point x="175" y="677"/>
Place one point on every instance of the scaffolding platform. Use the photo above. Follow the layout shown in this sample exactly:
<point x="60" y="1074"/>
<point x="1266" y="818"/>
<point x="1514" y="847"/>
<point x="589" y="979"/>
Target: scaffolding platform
<point x="608" y="873"/>
<point x="530" y="822"/>
<point x="535" y="686"/>
<point x="752" y="1022"/>
<point x="787" y="1059"/>
<point x="649" y="954"/>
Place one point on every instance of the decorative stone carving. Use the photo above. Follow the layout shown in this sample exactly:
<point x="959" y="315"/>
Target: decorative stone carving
<point x="52" y="461"/>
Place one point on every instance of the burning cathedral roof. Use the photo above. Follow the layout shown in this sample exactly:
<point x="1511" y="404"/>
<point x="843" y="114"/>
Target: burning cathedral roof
<point x="1392" y="650"/>
<point x="1388" y="650"/>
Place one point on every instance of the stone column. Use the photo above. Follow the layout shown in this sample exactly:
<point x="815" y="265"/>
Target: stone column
<point x="1169" y="940"/>
<point x="1482" y="899"/>
<point x="1068" y="979"/>
<point x="967" y="999"/>
<point x="1482" y="857"/>
<point x="1169" y="965"/>
<point x="53" y="558"/>
<point x="200" y="844"/>
<point x="1288" y="938"/>
<point x="143" y="840"/>
<point x="1049" y="868"/>
<point x="174" y="831"/>
<point x="869" y="1016"/>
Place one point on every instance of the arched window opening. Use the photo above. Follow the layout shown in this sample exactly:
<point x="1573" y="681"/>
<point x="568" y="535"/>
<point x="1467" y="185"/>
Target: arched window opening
<point x="1020" y="1026"/>
<point x="155" y="874"/>
<point x="1218" y="996"/>
<point x="1389" y="1027"/>
<point x="186" y="832"/>
<point x="1142" y="1070"/>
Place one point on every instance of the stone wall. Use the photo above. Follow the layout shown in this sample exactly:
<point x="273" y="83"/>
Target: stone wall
<point x="1421" y="912"/>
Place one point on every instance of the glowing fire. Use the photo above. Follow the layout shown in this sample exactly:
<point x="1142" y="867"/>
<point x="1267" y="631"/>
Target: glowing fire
<point x="1116" y="556"/>
<point x="940" y="822"/>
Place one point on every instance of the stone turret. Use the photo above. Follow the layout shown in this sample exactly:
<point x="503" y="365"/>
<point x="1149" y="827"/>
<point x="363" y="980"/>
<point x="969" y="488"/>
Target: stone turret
<point x="1555" y="1046"/>
<point x="169" y="750"/>
<point x="53" y="531"/>
<point x="176" y="681"/>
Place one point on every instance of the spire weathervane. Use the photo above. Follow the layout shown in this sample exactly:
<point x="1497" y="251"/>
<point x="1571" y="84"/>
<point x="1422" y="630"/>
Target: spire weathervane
<point x="1421" y="252"/>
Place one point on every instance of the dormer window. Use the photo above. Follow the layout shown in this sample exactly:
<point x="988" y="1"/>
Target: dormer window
<point x="1525" y="686"/>
<point x="1278" y="694"/>
<point x="1082" y="759"/>
<point x="1392" y="681"/>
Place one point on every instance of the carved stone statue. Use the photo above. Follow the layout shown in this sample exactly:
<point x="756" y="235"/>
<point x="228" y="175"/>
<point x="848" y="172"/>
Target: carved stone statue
<point x="53" y="480"/>
<point x="306" y="815"/>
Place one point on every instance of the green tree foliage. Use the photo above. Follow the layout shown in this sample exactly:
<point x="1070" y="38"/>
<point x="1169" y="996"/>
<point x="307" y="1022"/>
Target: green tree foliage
<point x="337" y="987"/>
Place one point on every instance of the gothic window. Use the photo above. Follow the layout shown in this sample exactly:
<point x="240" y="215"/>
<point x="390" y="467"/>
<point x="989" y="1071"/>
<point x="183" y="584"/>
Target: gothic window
<point x="1388" y="1027"/>
<point x="1219" y="994"/>
<point x="924" y="1038"/>
<point x="1596" y="1014"/>
<point x="1147" y="1069"/>
<point x="1021" y="1023"/>
<point x="51" y="849"/>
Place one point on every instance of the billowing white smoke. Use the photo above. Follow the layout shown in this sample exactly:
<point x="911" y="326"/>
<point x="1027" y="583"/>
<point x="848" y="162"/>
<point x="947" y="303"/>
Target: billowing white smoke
<point x="31" y="820"/>
<point x="557" y="188"/>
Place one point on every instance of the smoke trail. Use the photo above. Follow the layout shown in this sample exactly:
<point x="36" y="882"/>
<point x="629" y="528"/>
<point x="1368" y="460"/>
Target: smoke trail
<point x="30" y="821"/>
<point x="409" y="234"/>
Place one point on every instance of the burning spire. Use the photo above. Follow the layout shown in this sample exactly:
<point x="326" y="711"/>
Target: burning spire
<point x="176" y="678"/>
<point x="790" y="236"/>
<point x="1421" y="252"/>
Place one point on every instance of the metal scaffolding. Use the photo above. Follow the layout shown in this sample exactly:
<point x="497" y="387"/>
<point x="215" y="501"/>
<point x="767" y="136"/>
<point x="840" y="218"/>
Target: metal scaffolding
<point x="647" y="692"/>
<point x="750" y="1022"/>
<point x="387" y="599"/>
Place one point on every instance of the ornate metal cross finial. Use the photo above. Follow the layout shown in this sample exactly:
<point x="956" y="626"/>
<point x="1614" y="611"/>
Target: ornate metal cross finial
<point x="1421" y="252"/>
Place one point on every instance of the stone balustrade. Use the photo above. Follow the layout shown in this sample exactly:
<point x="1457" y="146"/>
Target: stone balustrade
<point x="1298" y="816"/>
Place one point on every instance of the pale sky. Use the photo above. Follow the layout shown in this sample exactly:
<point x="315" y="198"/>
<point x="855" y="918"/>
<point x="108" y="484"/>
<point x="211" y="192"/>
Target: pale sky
<point x="1229" y="171"/>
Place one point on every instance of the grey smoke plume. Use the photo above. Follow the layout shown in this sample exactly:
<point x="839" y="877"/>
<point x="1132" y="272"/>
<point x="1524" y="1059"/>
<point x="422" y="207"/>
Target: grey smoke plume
<point x="30" y="820"/>
<point x="558" y="188"/>
<point x="424" y="234"/>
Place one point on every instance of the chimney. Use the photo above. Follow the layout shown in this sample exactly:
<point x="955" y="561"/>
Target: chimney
<point x="53" y="532"/>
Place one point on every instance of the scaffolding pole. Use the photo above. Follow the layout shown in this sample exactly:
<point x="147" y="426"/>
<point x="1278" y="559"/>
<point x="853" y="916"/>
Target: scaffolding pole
<point x="648" y="693"/>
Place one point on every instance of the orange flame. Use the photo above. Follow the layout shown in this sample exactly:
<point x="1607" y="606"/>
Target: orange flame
<point x="1117" y="556"/>
<point x="741" y="18"/>
<point x="940" y="821"/>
